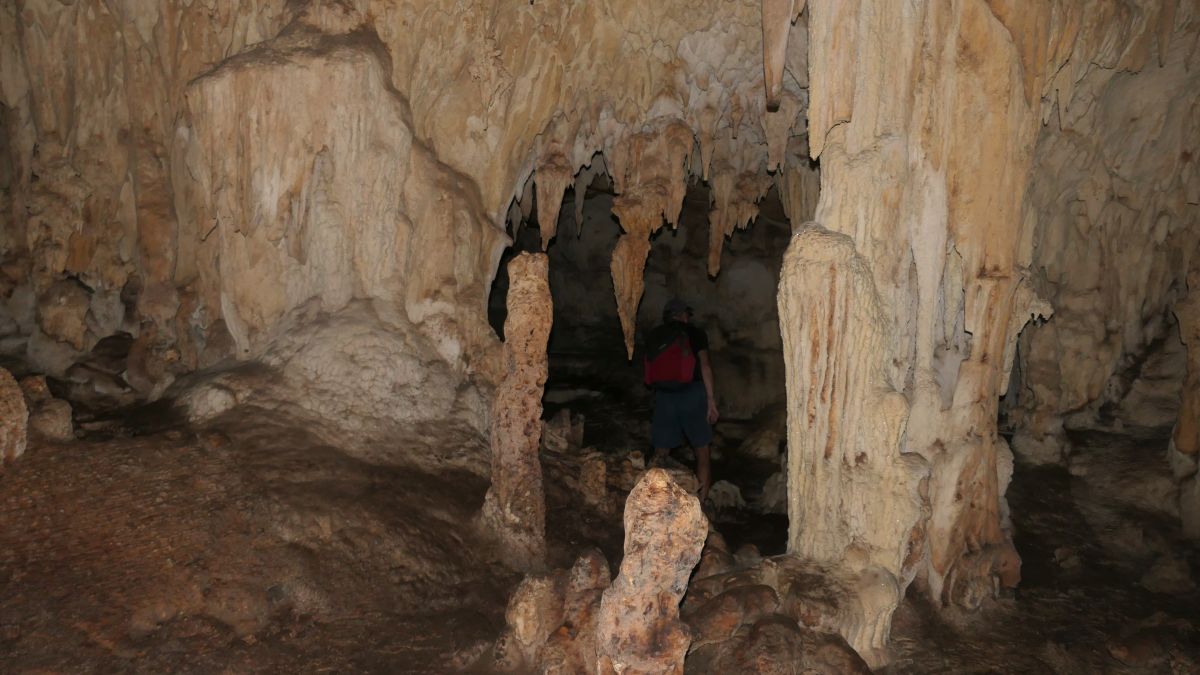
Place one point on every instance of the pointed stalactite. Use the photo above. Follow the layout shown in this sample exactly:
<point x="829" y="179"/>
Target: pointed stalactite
<point x="705" y="136"/>
<point x="553" y="176"/>
<point x="514" y="510"/>
<point x="776" y="24"/>
<point x="627" y="269"/>
<point x="777" y="126"/>
<point x="582" y="180"/>
<point x="679" y="141"/>
<point x="734" y="206"/>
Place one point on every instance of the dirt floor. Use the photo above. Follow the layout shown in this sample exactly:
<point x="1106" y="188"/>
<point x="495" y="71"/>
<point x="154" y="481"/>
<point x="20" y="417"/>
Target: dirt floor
<point x="147" y="546"/>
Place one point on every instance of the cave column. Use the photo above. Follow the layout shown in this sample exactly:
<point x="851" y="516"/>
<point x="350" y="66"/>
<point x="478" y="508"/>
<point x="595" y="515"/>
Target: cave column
<point x="899" y="309"/>
<point x="515" y="507"/>
<point x="853" y="498"/>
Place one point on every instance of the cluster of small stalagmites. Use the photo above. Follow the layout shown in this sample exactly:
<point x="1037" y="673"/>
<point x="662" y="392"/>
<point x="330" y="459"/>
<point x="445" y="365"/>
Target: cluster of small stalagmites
<point x="552" y="620"/>
<point x="748" y="614"/>
<point x="741" y="613"/>
<point x="576" y="621"/>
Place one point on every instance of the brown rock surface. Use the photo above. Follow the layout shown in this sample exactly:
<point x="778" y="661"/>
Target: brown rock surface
<point x="515" y="507"/>
<point x="638" y="628"/>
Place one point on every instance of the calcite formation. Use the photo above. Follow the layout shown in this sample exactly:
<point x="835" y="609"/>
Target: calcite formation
<point x="14" y="418"/>
<point x="515" y="506"/>
<point x="49" y="417"/>
<point x="845" y="425"/>
<point x="638" y="628"/>
<point x="1112" y="195"/>
<point x="999" y="183"/>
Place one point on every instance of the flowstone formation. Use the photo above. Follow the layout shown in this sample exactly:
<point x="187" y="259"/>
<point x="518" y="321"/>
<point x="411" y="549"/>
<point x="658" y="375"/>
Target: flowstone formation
<point x="515" y="507"/>
<point x="1112" y="194"/>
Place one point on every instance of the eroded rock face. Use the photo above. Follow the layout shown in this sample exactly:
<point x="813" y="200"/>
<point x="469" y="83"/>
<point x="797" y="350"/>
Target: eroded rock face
<point x="638" y="628"/>
<point x="515" y="507"/>
<point x="1112" y="191"/>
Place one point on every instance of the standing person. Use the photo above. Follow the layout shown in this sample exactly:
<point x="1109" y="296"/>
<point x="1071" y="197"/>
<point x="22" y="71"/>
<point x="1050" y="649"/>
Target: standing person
<point x="678" y="369"/>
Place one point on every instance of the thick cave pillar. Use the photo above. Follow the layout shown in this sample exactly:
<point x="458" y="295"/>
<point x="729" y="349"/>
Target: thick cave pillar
<point x="853" y="498"/>
<point x="515" y="506"/>
<point x="900" y="310"/>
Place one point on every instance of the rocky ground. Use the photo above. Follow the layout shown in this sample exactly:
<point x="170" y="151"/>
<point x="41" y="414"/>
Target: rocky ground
<point x="257" y="545"/>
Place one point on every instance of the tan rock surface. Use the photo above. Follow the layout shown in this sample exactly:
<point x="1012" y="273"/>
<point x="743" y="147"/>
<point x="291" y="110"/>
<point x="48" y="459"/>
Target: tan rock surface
<point x="638" y="628"/>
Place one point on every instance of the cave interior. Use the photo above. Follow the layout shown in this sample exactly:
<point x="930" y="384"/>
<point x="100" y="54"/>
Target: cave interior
<point x="323" y="328"/>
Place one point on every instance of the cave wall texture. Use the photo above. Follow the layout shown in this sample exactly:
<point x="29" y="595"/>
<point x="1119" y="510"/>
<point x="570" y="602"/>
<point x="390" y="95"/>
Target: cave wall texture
<point x="208" y="175"/>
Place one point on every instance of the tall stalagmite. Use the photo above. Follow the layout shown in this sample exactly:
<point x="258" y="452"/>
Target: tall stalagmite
<point x="638" y="631"/>
<point x="515" y="507"/>
<point x="853" y="496"/>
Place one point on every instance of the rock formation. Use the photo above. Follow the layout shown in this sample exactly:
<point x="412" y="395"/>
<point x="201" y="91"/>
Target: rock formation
<point x="14" y="418"/>
<point x="1112" y="192"/>
<point x="515" y="507"/>
<point x="1007" y="208"/>
<point x="638" y="627"/>
<point x="49" y="417"/>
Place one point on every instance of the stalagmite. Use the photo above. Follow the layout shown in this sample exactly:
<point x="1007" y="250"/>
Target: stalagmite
<point x="854" y="499"/>
<point x="638" y="628"/>
<point x="515" y="507"/>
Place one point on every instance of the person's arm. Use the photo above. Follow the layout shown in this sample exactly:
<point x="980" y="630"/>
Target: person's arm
<point x="706" y="373"/>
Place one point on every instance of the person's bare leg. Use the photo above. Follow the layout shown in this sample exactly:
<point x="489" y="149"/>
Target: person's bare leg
<point x="703" y="472"/>
<point x="660" y="456"/>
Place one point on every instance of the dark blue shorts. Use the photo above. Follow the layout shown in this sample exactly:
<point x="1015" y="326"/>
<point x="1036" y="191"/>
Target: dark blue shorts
<point x="679" y="415"/>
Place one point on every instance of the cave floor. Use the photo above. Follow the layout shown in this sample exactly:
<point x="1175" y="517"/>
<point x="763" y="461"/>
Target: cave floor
<point x="257" y="550"/>
<point x="261" y="548"/>
<point x="1090" y="555"/>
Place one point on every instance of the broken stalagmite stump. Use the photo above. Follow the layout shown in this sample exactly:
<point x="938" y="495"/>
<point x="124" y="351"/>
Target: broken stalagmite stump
<point x="639" y="630"/>
<point x="515" y="507"/>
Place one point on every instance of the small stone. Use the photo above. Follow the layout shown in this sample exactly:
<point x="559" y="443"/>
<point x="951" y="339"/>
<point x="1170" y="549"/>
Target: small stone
<point x="51" y="420"/>
<point x="1169" y="574"/>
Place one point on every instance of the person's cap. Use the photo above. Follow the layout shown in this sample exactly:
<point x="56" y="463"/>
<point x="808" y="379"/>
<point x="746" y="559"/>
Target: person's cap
<point x="676" y="306"/>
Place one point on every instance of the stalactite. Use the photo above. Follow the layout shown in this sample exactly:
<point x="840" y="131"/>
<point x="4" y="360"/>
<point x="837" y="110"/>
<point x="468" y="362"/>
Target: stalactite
<point x="734" y="206"/>
<point x="777" y="18"/>
<point x="629" y="262"/>
<point x="553" y="176"/>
